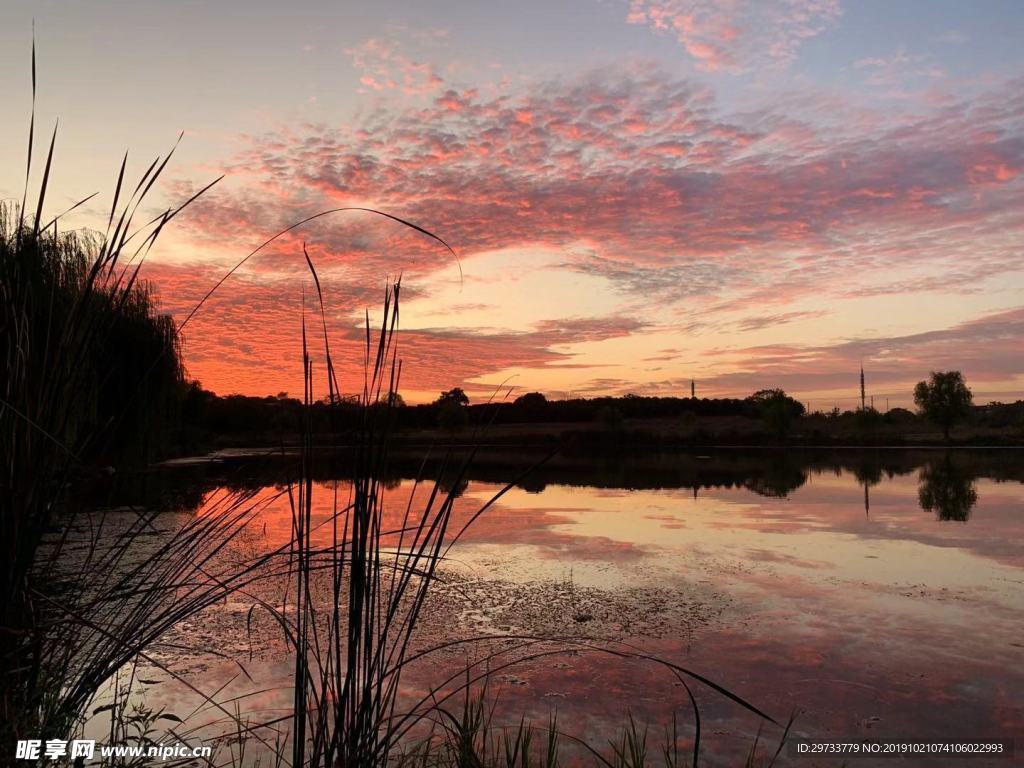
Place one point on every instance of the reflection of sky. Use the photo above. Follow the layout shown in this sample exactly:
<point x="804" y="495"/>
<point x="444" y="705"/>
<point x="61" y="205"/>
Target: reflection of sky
<point x="887" y="624"/>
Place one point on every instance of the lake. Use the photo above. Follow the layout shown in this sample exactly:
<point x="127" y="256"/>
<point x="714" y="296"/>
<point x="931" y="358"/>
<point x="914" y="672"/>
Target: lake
<point x="875" y="594"/>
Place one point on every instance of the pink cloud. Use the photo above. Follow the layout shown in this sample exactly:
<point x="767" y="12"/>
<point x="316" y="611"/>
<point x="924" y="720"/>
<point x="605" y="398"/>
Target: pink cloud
<point x="640" y="179"/>
<point x="734" y="35"/>
<point x="384" y="67"/>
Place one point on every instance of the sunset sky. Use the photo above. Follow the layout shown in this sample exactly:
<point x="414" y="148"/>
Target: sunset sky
<point x="749" y="194"/>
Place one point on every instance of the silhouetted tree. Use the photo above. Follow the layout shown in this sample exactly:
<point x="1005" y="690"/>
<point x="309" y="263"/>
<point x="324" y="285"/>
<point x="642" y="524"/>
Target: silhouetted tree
<point x="531" y="401"/>
<point x="944" y="399"/>
<point x="392" y="399"/>
<point x="451" y="409"/>
<point x="455" y="395"/>
<point x="386" y="408"/>
<point x="124" y="356"/>
<point x="777" y="409"/>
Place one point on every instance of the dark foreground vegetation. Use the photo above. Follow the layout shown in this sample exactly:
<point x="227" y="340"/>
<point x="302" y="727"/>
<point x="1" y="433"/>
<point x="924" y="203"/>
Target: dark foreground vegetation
<point x="91" y="374"/>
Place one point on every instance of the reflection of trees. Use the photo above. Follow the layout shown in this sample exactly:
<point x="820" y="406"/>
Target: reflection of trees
<point x="533" y="483"/>
<point x="780" y="478"/>
<point x="772" y="473"/>
<point x="454" y="486"/>
<point x="390" y="482"/>
<point x="947" y="489"/>
<point x="868" y="472"/>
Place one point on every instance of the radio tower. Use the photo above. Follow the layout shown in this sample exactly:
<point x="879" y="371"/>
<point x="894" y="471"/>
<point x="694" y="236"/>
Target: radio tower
<point x="862" y="398"/>
<point x="693" y="390"/>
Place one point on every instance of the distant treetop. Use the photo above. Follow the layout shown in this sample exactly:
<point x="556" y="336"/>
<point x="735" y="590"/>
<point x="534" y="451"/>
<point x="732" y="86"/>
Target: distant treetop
<point x="456" y="396"/>
<point x="531" y="400"/>
<point x="944" y="399"/>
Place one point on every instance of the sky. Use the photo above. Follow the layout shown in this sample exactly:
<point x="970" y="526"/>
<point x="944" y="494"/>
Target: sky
<point x="639" y="192"/>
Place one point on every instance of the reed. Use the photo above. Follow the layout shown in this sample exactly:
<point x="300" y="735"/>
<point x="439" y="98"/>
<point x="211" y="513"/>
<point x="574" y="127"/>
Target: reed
<point x="91" y="373"/>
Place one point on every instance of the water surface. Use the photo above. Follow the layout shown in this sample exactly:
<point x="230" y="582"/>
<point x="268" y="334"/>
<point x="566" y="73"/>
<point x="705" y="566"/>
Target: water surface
<point x="876" y="594"/>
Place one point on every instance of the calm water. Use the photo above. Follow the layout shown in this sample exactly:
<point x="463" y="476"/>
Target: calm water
<point x="877" y="594"/>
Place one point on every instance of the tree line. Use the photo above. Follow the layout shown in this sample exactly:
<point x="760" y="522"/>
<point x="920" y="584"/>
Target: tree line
<point x="943" y="400"/>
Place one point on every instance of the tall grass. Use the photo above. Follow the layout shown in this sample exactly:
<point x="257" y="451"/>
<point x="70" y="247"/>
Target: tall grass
<point x="346" y="712"/>
<point x="90" y="373"/>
